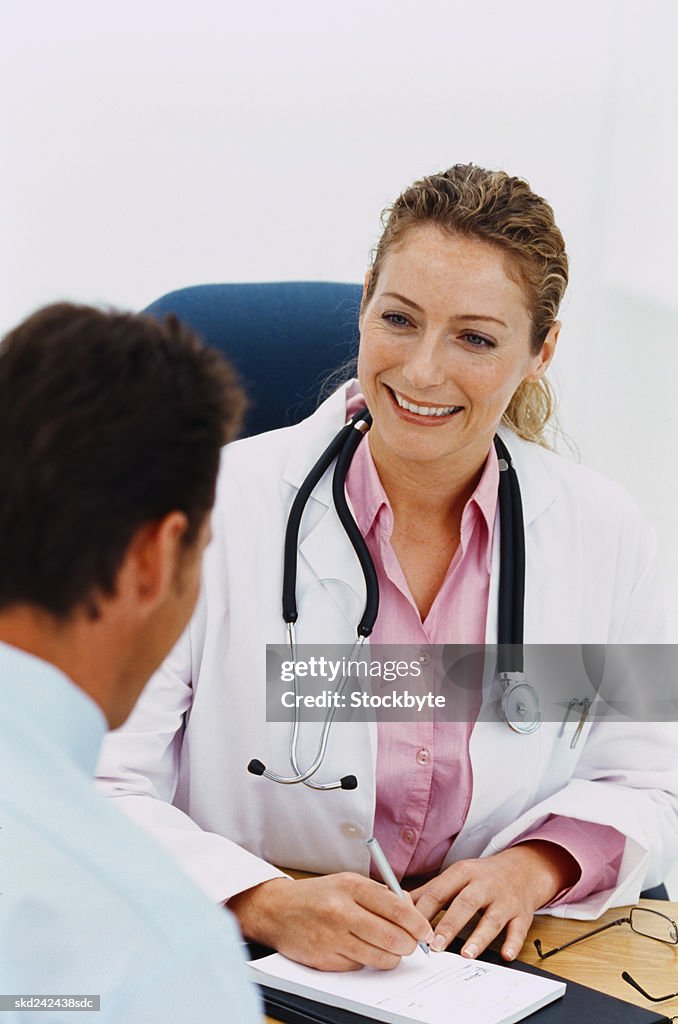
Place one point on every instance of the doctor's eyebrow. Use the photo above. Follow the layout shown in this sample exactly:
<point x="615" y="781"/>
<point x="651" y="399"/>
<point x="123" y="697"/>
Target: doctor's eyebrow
<point x="481" y="316"/>
<point x="463" y="316"/>
<point x="402" y="298"/>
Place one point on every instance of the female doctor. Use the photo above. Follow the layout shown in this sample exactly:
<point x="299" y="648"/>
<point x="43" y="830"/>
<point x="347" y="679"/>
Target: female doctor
<point x="457" y="328"/>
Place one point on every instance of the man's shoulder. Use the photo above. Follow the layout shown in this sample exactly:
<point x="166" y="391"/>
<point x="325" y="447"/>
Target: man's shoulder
<point x="91" y="902"/>
<point x="71" y="859"/>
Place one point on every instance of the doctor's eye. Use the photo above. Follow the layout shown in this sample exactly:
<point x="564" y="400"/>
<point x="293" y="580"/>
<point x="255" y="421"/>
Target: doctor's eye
<point x="397" y="319"/>
<point x="478" y="340"/>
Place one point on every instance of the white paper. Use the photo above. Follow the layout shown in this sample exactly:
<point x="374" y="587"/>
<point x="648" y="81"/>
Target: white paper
<point x="423" y="989"/>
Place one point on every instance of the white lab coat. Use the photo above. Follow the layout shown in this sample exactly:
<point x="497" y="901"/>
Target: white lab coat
<point x="179" y="766"/>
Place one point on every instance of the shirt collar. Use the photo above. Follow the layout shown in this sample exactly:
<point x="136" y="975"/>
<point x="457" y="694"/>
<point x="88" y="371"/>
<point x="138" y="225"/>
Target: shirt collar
<point x="52" y="704"/>
<point x="363" y="480"/>
<point x="485" y="497"/>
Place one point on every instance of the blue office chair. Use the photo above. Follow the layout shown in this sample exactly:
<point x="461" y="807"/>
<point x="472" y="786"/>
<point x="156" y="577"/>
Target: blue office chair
<point x="284" y="339"/>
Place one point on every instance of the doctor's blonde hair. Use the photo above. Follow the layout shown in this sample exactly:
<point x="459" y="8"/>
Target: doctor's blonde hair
<point x="502" y="210"/>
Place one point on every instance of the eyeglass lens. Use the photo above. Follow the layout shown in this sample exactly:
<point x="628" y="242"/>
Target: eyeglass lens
<point x="653" y="924"/>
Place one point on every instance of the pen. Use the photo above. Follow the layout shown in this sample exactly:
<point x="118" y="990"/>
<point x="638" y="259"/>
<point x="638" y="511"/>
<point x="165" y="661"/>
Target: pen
<point x="386" y="871"/>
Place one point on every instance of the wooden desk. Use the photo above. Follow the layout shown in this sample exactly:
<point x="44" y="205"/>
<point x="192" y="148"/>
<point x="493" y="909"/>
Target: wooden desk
<point x="599" y="961"/>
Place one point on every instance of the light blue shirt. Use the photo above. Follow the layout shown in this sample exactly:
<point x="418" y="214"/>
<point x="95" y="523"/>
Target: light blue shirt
<point x="90" y="905"/>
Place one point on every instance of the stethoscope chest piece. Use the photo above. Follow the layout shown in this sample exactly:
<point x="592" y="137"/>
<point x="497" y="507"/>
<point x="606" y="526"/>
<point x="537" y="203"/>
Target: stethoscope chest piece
<point x="522" y="706"/>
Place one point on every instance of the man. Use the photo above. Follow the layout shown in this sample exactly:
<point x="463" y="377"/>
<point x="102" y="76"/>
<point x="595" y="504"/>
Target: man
<point x="110" y="431"/>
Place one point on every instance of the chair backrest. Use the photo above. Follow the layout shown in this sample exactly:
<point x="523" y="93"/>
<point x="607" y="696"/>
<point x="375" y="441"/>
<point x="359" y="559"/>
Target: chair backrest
<point x="284" y="339"/>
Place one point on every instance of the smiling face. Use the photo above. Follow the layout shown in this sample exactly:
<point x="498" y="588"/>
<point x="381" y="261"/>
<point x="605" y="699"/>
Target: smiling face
<point x="444" y="344"/>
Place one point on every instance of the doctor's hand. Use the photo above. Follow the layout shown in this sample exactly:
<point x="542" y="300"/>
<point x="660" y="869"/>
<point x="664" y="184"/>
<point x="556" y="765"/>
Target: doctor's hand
<point x="334" y="923"/>
<point x="505" y="888"/>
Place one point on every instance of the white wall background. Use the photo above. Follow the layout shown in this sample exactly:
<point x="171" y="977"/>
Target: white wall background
<point x="152" y="144"/>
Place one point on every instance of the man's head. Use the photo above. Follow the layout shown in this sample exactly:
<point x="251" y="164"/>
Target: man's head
<point x="111" y="426"/>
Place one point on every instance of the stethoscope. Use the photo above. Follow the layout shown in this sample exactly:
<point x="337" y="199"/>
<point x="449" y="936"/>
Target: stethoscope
<point x="521" y="705"/>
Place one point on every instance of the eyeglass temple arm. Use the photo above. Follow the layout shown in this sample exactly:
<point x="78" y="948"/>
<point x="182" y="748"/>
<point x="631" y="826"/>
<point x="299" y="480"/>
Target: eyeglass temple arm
<point x="654" y="999"/>
<point x="596" y="931"/>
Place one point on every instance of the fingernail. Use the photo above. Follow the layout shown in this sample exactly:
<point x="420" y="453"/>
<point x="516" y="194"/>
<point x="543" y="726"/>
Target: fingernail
<point x="469" y="951"/>
<point x="430" y="937"/>
<point x="439" y="943"/>
<point x="510" y="954"/>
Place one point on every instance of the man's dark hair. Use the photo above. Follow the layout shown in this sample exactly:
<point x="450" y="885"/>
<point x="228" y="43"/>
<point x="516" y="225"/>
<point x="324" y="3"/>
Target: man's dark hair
<point x="108" y="421"/>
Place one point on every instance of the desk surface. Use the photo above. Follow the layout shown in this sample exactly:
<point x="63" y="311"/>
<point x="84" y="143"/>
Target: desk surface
<point x="599" y="961"/>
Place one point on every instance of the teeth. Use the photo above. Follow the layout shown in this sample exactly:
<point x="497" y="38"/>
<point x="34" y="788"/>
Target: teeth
<point x="425" y="410"/>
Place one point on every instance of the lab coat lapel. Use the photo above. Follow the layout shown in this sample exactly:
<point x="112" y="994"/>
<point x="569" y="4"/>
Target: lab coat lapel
<point x="329" y="575"/>
<point x="311" y="438"/>
<point x="537" y="492"/>
<point x="504" y="762"/>
<point x="332" y="574"/>
<point x="331" y="590"/>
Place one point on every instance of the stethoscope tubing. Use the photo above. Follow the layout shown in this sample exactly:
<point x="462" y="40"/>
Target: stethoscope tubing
<point x="342" y="448"/>
<point x="360" y="427"/>
<point x="510" y="621"/>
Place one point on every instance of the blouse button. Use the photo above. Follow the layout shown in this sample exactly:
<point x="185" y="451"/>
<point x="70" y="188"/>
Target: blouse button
<point x="423" y="756"/>
<point x="424" y="656"/>
<point x="409" y="835"/>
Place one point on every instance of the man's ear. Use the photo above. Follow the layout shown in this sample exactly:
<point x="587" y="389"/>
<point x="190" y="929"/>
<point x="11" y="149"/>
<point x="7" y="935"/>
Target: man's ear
<point x="153" y="557"/>
<point x="545" y="357"/>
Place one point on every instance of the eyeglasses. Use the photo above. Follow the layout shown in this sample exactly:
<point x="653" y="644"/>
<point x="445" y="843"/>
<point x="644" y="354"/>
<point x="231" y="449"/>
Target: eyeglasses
<point x="649" y="923"/>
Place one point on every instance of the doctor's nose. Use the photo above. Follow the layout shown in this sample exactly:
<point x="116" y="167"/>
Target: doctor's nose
<point x="425" y="366"/>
